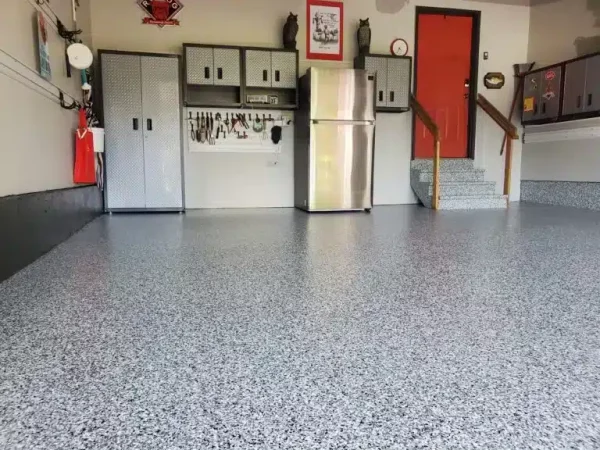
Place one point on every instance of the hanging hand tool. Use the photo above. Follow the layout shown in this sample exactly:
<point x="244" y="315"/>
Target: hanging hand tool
<point x="193" y="133"/>
<point x="202" y="131"/>
<point x="265" y="135"/>
<point x="198" y="127"/>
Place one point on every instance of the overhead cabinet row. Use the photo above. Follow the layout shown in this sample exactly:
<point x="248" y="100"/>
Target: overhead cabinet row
<point x="566" y="91"/>
<point x="235" y="76"/>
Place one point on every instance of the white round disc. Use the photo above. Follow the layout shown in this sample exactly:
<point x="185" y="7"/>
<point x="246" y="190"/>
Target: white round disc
<point x="80" y="56"/>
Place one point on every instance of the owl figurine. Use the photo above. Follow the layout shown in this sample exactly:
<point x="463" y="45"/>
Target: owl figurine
<point x="290" y="30"/>
<point x="364" y="37"/>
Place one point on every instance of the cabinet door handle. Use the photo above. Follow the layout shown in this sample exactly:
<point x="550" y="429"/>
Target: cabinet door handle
<point x="136" y="125"/>
<point x="578" y="101"/>
<point x="220" y="73"/>
<point x="380" y="96"/>
<point x="392" y="96"/>
<point x="265" y="75"/>
<point x="589" y="100"/>
<point x="543" y="108"/>
<point x="149" y="124"/>
<point x="207" y="72"/>
<point x="535" y="109"/>
<point x="277" y="75"/>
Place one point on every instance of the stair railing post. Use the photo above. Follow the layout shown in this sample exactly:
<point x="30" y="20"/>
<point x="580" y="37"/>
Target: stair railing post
<point x="508" y="167"/>
<point x="436" y="175"/>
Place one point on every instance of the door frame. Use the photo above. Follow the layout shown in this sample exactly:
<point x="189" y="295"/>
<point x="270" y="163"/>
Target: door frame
<point x="474" y="75"/>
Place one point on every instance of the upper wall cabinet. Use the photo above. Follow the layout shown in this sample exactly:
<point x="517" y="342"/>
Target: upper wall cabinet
<point x="393" y="80"/>
<point x="236" y="76"/>
<point x="271" y="77"/>
<point x="213" y="75"/>
<point x="565" y="91"/>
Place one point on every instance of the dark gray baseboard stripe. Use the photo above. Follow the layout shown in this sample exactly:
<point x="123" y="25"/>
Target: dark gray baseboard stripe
<point x="563" y="193"/>
<point x="32" y="224"/>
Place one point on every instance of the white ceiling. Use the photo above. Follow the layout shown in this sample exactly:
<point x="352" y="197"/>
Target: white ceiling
<point x="516" y="2"/>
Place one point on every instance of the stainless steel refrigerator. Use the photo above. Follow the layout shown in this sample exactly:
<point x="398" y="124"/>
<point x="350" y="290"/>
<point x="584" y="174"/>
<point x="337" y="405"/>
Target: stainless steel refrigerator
<point x="334" y="137"/>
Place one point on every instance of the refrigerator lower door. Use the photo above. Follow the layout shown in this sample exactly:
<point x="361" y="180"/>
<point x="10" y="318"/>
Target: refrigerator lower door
<point x="341" y="166"/>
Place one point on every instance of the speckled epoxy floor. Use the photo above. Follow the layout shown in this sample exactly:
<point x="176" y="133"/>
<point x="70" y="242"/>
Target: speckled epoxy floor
<point x="273" y="329"/>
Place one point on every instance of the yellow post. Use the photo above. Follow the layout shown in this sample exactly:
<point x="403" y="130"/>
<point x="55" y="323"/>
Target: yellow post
<point x="508" y="166"/>
<point x="436" y="176"/>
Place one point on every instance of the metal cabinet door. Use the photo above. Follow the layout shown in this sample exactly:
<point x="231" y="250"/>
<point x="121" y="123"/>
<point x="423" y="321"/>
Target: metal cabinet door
<point x="121" y="91"/>
<point x="283" y="73"/>
<point x="162" y="132"/>
<point x="550" y="98"/>
<point x="574" y="87"/>
<point x="531" y="96"/>
<point x="200" y="65"/>
<point x="227" y="67"/>
<point x="258" y="68"/>
<point x="592" y="85"/>
<point x="379" y="67"/>
<point x="398" y="82"/>
<point x="341" y="165"/>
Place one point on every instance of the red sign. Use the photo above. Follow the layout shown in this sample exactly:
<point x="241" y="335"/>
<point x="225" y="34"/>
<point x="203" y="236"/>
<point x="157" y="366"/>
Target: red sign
<point x="550" y="75"/>
<point x="161" y="12"/>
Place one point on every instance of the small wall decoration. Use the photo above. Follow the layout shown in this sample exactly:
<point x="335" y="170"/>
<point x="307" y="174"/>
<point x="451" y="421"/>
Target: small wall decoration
<point x="161" y="12"/>
<point x="363" y="36"/>
<point x="325" y="30"/>
<point x="290" y="31"/>
<point x="494" y="80"/>
<point x="399" y="47"/>
<point x="43" y="50"/>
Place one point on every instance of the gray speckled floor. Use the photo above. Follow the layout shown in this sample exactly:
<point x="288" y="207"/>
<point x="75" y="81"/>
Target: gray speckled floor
<point x="273" y="329"/>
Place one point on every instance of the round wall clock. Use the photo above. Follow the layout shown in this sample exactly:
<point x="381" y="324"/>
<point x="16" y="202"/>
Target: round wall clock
<point x="399" y="47"/>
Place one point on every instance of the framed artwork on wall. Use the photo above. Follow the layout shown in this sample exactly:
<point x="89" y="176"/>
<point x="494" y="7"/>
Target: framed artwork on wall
<point x="325" y="30"/>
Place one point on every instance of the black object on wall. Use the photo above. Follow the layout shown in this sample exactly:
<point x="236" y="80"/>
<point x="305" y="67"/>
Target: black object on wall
<point x="33" y="224"/>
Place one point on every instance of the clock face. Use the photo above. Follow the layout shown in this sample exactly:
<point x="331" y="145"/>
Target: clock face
<point x="399" y="47"/>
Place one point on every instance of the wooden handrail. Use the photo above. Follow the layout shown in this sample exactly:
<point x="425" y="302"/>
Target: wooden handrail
<point x="435" y="132"/>
<point x="510" y="132"/>
<point x="497" y="117"/>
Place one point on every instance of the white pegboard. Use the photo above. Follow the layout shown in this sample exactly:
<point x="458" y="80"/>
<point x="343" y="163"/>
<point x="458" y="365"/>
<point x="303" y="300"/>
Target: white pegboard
<point x="256" y="142"/>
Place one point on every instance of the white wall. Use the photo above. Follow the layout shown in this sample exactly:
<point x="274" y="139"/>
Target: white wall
<point x="227" y="176"/>
<point x="562" y="30"/>
<point x="36" y="136"/>
<point x="504" y="33"/>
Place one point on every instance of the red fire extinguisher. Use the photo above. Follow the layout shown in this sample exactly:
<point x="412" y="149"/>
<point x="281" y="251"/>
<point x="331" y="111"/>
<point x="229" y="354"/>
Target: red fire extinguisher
<point x="85" y="159"/>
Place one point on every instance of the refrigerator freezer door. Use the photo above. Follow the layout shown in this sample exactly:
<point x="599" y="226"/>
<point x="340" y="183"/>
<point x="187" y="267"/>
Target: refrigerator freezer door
<point x="346" y="94"/>
<point x="341" y="166"/>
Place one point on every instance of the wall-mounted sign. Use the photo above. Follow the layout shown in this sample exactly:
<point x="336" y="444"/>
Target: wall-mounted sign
<point x="325" y="30"/>
<point x="161" y="12"/>
<point x="494" y="80"/>
<point x="43" y="50"/>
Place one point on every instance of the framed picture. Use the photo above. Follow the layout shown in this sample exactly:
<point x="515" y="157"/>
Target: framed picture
<point x="325" y="30"/>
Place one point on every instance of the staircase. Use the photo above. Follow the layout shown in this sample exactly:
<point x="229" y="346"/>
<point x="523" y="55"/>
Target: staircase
<point x="462" y="186"/>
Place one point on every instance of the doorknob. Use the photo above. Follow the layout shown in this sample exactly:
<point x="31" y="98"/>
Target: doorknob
<point x="467" y="83"/>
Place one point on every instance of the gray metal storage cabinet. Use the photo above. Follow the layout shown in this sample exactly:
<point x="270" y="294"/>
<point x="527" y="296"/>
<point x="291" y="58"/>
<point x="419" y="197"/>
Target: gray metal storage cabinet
<point x="542" y="92"/>
<point x="142" y="120"/>
<point x="582" y="86"/>
<point x="393" y="80"/>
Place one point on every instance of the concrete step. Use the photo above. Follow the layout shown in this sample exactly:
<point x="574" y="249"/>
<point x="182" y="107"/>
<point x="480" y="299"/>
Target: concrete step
<point x="463" y="188"/>
<point x="473" y="202"/>
<point x="472" y="175"/>
<point x="447" y="165"/>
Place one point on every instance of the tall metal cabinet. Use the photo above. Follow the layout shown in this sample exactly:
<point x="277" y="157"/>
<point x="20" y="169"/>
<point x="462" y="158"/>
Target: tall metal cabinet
<point x="142" y="121"/>
<point x="582" y="86"/>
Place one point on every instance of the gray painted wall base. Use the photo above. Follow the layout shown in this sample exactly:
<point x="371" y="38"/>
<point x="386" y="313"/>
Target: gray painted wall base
<point x="32" y="224"/>
<point x="562" y="193"/>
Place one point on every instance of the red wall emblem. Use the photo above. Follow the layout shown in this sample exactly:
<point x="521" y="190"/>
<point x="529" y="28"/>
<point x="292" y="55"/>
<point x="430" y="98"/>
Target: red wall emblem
<point x="161" y="12"/>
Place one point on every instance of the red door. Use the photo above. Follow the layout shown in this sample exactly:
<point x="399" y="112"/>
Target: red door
<point x="443" y="72"/>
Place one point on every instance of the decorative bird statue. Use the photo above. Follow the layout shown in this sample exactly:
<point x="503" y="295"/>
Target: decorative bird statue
<point x="290" y="30"/>
<point x="364" y="37"/>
